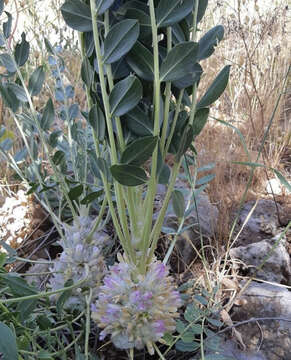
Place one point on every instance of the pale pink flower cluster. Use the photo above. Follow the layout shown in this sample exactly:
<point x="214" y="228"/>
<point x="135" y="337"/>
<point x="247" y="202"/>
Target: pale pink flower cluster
<point x="78" y="252"/>
<point x="136" y="310"/>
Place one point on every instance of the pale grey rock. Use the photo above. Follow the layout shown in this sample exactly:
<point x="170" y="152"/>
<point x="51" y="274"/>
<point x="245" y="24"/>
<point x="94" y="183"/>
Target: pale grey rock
<point x="263" y="223"/>
<point x="277" y="267"/>
<point x="272" y="337"/>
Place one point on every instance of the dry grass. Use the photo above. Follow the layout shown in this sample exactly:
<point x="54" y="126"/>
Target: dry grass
<point x="256" y="45"/>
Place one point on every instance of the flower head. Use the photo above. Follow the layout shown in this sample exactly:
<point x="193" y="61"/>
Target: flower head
<point x="77" y="253"/>
<point x="136" y="310"/>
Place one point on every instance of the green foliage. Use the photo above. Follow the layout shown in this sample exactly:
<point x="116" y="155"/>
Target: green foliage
<point x="8" y="346"/>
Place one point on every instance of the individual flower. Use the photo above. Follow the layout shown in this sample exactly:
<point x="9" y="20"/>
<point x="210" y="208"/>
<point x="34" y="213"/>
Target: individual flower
<point x="78" y="252"/>
<point x="136" y="310"/>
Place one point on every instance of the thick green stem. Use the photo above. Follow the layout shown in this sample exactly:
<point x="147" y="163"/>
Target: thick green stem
<point x="129" y="199"/>
<point x="173" y="126"/>
<point x="167" y="99"/>
<point x="160" y="220"/>
<point x="105" y="97"/>
<point x="149" y="201"/>
<point x="194" y="38"/>
<point x="104" y="180"/>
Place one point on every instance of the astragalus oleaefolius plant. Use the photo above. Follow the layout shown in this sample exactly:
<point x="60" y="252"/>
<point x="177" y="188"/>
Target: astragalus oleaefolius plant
<point x="141" y="72"/>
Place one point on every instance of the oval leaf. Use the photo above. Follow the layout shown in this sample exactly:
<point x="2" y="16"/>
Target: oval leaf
<point x="141" y="61"/>
<point x="216" y="88"/>
<point x="179" y="61"/>
<point x="97" y="121"/>
<point x="125" y="95"/>
<point x="18" y="91"/>
<point x="129" y="175"/>
<point x="48" y="116"/>
<point x="171" y="12"/>
<point x="103" y="5"/>
<point x="178" y="203"/>
<point x="8" y="346"/>
<point x="21" y="51"/>
<point x="208" y="42"/>
<point x="200" y="120"/>
<point x="120" y="40"/>
<point x="139" y="151"/>
<point x="138" y="122"/>
<point x="7" y="61"/>
<point x="36" y="81"/>
<point x="77" y="15"/>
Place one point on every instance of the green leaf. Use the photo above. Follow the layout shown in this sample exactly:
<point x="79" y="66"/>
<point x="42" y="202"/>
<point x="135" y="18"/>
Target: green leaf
<point x="186" y="141"/>
<point x="125" y="95"/>
<point x="7" y="25"/>
<point x="215" y="322"/>
<point x="59" y="157"/>
<point x="180" y="326"/>
<point x="36" y="81"/>
<point x="9" y="97"/>
<point x="103" y="167"/>
<point x="64" y="297"/>
<point x="196" y="329"/>
<point x="141" y="61"/>
<point x="282" y="179"/>
<point x="91" y="197"/>
<point x="138" y="122"/>
<point x="44" y="355"/>
<point x="7" y="62"/>
<point x="48" y="116"/>
<point x="216" y="88"/>
<point x="97" y="120"/>
<point x="87" y="72"/>
<point x="139" y="151"/>
<point x="200" y="120"/>
<point x="192" y="313"/>
<point x="18" y="91"/>
<point x="187" y="337"/>
<point x="178" y="203"/>
<point x="129" y="175"/>
<point x="49" y="46"/>
<point x="8" y="346"/>
<point x="179" y="61"/>
<point x="120" y="40"/>
<point x="143" y="19"/>
<point x="2" y="259"/>
<point x="21" y="52"/>
<point x="17" y="285"/>
<point x="205" y="179"/>
<point x="76" y="192"/>
<point x="171" y="12"/>
<point x="208" y="42"/>
<point x="202" y="6"/>
<point x="25" y="308"/>
<point x="77" y="15"/>
<point x="189" y="79"/>
<point x="187" y="347"/>
<point x="103" y="5"/>
<point x="201" y="299"/>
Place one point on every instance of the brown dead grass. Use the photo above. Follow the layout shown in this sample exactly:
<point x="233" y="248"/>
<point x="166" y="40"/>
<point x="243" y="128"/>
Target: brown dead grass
<point x="256" y="45"/>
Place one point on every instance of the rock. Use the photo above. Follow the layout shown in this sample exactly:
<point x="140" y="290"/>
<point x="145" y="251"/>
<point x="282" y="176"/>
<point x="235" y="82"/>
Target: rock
<point x="262" y="224"/>
<point x="206" y="221"/>
<point x="277" y="268"/>
<point x="274" y="186"/>
<point x="272" y="337"/>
